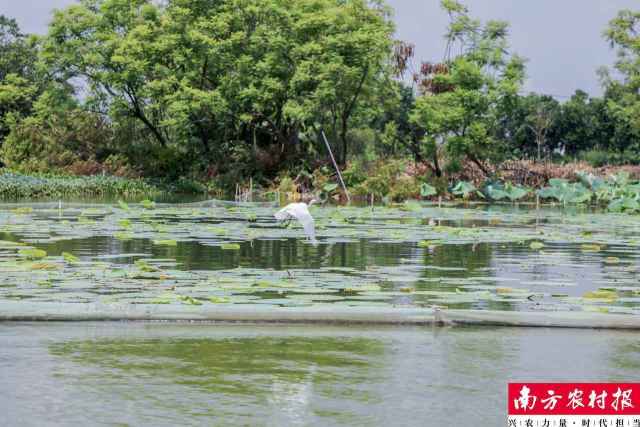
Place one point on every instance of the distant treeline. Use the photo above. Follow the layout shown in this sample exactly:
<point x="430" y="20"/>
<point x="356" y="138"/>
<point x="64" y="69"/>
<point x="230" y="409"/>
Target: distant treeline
<point x="229" y="89"/>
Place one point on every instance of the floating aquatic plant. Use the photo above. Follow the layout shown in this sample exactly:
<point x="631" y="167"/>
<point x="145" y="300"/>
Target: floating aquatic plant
<point x="148" y="204"/>
<point x="230" y="247"/>
<point x="32" y="253"/>
<point x="479" y="261"/>
<point x="536" y="245"/>
<point x="145" y="266"/>
<point x="186" y="299"/>
<point x="590" y="247"/>
<point x="165" y="242"/>
<point x="70" y="258"/>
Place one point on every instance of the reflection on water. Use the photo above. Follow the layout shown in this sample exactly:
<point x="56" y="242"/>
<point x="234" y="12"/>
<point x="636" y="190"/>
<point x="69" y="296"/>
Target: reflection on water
<point x="562" y="269"/>
<point x="212" y="253"/>
<point x="277" y="254"/>
<point x="194" y="374"/>
<point x="233" y="366"/>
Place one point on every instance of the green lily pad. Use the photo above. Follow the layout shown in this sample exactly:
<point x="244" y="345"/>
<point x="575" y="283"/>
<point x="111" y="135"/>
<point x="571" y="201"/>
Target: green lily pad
<point x="32" y="253"/>
<point x="230" y="247"/>
<point x="148" y="204"/>
<point x="165" y="242"/>
<point x="536" y="245"/>
<point x="70" y="258"/>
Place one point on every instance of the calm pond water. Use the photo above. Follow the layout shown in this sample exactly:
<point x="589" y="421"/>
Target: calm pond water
<point x="501" y="257"/>
<point x="216" y="253"/>
<point x="167" y="374"/>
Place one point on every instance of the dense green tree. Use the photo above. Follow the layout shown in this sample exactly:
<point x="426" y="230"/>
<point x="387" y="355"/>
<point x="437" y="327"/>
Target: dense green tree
<point x="527" y="123"/>
<point x="222" y="76"/>
<point x="392" y="123"/>
<point x="19" y="83"/>
<point x="245" y="87"/>
<point x="17" y="51"/>
<point x="623" y="96"/>
<point x="582" y="124"/>
<point x="462" y="100"/>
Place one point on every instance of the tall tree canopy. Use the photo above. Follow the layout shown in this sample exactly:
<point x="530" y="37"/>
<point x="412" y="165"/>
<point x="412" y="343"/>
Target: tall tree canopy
<point x="19" y="85"/>
<point x="222" y="76"/>
<point x="463" y="96"/>
<point x="623" y="33"/>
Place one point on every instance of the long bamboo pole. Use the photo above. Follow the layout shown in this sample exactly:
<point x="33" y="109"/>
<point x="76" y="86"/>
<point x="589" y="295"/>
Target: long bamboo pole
<point x="335" y="165"/>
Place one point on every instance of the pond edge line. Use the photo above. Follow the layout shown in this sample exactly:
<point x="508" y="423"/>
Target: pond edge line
<point x="17" y="311"/>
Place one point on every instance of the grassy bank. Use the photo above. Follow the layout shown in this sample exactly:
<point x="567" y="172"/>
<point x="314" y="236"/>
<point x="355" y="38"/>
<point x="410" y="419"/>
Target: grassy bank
<point x="616" y="188"/>
<point x="14" y="186"/>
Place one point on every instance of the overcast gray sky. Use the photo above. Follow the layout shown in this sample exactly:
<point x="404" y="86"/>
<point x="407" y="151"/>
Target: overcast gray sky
<point x="560" y="38"/>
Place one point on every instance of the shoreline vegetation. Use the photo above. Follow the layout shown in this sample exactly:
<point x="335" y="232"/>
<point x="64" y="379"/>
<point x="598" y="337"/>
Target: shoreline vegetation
<point x="394" y="181"/>
<point x="16" y="186"/>
<point x="230" y="98"/>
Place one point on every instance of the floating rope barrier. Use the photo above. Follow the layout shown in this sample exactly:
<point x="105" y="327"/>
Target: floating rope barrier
<point x="15" y="311"/>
